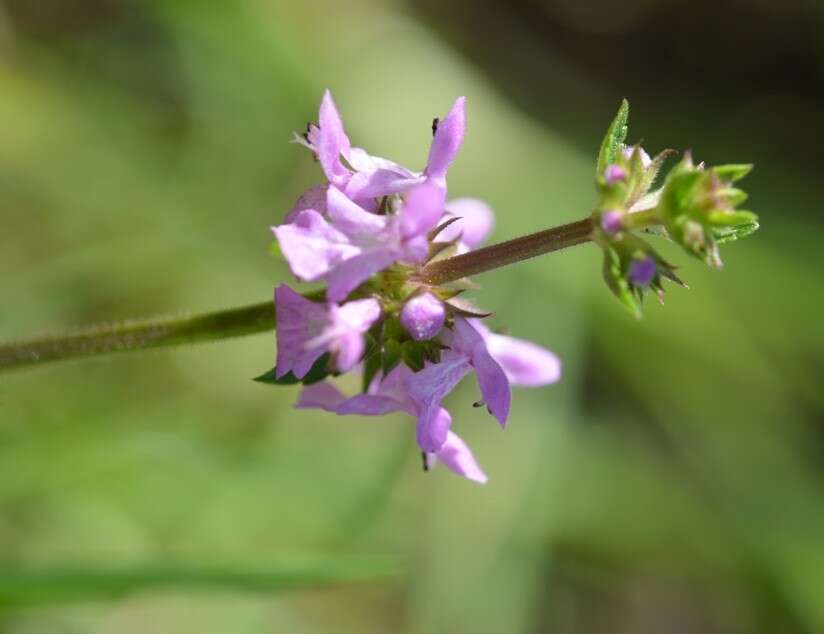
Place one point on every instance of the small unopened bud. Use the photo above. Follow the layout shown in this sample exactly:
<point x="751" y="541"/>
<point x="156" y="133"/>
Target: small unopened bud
<point x="642" y="271"/>
<point x="611" y="221"/>
<point x="614" y="174"/>
<point x="423" y="316"/>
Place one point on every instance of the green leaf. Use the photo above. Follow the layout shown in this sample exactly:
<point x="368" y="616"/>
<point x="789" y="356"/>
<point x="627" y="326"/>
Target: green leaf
<point x="70" y="585"/>
<point x="723" y="235"/>
<point x="732" y="218"/>
<point x="414" y="355"/>
<point x="647" y="176"/>
<point x="733" y="172"/>
<point x="613" y="139"/>
<point x="392" y="355"/>
<point x="617" y="283"/>
<point x="318" y="372"/>
<point x="371" y="366"/>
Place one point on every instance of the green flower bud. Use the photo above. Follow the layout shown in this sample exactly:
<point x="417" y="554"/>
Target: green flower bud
<point x="698" y="208"/>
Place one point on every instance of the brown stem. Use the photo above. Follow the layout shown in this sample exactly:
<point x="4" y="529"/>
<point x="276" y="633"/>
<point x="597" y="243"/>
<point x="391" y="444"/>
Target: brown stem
<point x="504" y="253"/>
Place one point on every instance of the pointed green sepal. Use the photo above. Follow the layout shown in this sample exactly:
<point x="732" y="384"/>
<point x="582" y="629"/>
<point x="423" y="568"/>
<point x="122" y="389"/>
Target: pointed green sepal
<point x="613" y="139"/>
<point x="318" y="372"/>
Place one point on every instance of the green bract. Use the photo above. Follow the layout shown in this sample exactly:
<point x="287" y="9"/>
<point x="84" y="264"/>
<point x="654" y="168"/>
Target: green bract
<point x="613" y="140"/>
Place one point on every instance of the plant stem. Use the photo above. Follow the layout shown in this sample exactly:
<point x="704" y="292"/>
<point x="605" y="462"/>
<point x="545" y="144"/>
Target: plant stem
<point x="237" y="322"/>
<point x="139" y="335"/>
<point x="504" y="253"/>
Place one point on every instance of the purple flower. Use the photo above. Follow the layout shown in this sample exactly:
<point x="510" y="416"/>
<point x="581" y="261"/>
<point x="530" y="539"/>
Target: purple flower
<point x="371" y="176"/>
<point x="347" y="246"/>
<point x="306" y="330"/>
<point x="642" y="271"/>
<point x="423" y="316"/>
<point x="388" y="395"/>
<point x="367" y="231"/>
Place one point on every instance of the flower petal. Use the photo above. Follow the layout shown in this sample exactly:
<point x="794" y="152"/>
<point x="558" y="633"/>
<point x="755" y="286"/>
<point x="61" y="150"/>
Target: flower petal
<point x="332" y="141"/>
<point x="347" y="276"/>
<point x="381" y="182"/>
<point x="456" y="456"/>
<point x="313" y="198"/>
<point x="311" y="246"/>
<point x="370" y="405"/>
<point x="433" y="430"/>
<point x="321" y="395"/>
<point x="492" y="380"/>
<point x="422" y="208"/>
<point x="298" y="321"/>
<point x="428" y="388"/>
<point x="362" y="161"/>
<point x="526" y="364"/>
<point x="357" y="223"/>
<point x="447" y="140"/>
<point x="474" y="224"/>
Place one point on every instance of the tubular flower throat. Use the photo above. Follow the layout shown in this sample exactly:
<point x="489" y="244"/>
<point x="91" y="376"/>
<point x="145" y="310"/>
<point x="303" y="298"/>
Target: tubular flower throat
<point x="367" y="232"/>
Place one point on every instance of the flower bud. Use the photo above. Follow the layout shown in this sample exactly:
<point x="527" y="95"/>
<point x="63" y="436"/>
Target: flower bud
<point x="614" y="174"/>
<point x="611" y="221"/>
<point x="423" y="316"/>
<point x="642" y="271"/>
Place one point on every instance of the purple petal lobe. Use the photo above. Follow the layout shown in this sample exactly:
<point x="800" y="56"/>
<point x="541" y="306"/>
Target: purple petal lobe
<point x="298" y="322"/>
<point x="370" y="405"/>
<point x="447" y="140"/>
<point x="428" y="388"/>
<point x="362" y="161"/>
<point x="456" y="456"/>
<point x="492" y="380"/>
<point x="332" y="141"/>
<point x="321" y="395"/>
<point x="311" y="246"/>
<point x="357" y="223"/>
<point x="474" y="224"/>
<point x="381" y="182"/>
<point x="347" y="276"/>
<point x="433" y="430"/>
<point x="351" y="321"/>
<point x="423" y="316"/>
<point x="314" y="198"/>
<point x="422" y="208"/>
<point x="525" y="363"/>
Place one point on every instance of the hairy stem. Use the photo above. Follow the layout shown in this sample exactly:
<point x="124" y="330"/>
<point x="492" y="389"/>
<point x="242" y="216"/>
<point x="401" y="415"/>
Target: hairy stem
<point x="237" y="322"/>
<point x="504" y="253"/>
<point x="139" y="335"/>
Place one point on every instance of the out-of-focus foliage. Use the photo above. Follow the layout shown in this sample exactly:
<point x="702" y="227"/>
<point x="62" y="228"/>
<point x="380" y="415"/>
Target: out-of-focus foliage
<point x="673" y="479"/>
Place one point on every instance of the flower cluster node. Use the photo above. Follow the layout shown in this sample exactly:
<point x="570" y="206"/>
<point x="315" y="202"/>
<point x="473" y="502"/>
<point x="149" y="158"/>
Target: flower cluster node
<point x="367" y="232"/>
<point x="694" y="207"/>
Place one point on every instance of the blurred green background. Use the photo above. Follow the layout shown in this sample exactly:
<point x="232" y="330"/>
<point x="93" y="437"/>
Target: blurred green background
<point x="674" y="480"/>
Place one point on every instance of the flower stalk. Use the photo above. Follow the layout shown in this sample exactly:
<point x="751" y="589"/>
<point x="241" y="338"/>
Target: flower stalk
<point x="504" y="253"/>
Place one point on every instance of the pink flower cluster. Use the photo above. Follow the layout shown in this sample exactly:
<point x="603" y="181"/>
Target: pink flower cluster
<point x="366" y="232"/>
